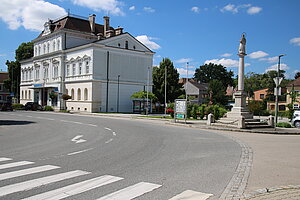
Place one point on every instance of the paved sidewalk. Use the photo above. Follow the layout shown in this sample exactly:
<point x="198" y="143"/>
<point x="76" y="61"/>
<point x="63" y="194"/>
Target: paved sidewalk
<point x="292" y="193"/>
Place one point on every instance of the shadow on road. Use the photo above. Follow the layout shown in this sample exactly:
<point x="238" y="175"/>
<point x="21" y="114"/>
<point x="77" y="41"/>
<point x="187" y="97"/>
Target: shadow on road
<point x="14" y="122"/>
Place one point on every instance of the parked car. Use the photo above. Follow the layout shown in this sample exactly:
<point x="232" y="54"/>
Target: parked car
<point x="296" y="119"/>
<point x="6" y="107"/>
<point x="33" y="106"/>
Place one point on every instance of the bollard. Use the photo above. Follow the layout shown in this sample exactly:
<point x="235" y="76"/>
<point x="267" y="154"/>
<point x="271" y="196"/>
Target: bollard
<point x="271" y="121"/>
<point x="241" y="122"/>
<point x="210" y="119"/>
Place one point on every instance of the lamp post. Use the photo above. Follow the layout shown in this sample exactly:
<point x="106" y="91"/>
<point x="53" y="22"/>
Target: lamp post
<point x="277" y="89"/>
<point x="148" y="80"/>
<point x="118" y="95"/>
<point x="165" y="91"/>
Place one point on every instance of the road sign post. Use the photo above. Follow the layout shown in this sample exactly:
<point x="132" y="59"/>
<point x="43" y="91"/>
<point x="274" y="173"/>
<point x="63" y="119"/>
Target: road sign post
<point x="180" y="110"/>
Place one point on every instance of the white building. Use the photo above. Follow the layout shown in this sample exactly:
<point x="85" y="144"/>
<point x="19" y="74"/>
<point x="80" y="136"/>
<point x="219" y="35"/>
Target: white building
<point x="98" y="66"/>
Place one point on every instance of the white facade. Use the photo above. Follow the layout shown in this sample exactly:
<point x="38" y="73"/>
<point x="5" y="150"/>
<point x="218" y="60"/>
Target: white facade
<point x="100" y="74"/>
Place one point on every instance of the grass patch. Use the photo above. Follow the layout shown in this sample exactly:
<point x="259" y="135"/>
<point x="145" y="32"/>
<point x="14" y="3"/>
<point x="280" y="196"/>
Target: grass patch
<point x="284" y="125"/>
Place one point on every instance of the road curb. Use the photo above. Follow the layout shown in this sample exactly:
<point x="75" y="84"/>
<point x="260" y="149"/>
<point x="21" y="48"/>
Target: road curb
<point x="267" y="191"/>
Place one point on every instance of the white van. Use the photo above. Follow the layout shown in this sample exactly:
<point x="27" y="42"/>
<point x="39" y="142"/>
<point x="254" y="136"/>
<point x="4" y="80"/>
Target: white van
<point x="296" y="119"/>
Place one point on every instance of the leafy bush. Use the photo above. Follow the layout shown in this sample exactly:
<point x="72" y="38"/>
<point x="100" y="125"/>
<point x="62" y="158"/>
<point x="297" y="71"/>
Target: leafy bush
<point x="282" y="114"/>
<point x="216" y="110"/>
<point x="18" y="106"/>
<point x="66" y="97"/>
<point x="64" y="111"/>
<point x="258" y="108"/>
<point x="284" y="125"/>
<point x="48" y="108"/>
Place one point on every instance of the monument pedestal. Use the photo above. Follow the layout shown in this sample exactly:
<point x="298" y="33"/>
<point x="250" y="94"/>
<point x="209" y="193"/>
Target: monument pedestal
<point x="240" y="108"/>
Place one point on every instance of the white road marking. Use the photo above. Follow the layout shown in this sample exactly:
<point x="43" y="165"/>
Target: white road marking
<point x="78" y="123"/>
<point x="114" y="134"/>
<point x="77" y="152"/>
<point x="91" y="125"/>
<point x="28" y="116"/>
<point x="108" y="141"/>
<point x="131" y="192"/>
<point x="45" y="118"/>
<point x="77" y="140"/>
<point x="76" y="188"/>
<point x="191" y="195"/>
<point x="107" y="128"/>
<point x="27" y="185"/>
<point x="15" y="164"/>
<point x="24" y="172"/>
<point x="5" y="159"/>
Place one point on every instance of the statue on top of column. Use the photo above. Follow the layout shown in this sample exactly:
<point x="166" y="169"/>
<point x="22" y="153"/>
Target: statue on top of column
<point x="242" y="47"/>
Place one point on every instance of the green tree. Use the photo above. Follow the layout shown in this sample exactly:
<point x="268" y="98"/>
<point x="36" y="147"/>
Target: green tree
<point x="208" y="72"/>
<point x="297" y="75"/>
<point x="24" y="51"/>
<point x="218" y="92"/>
<point x="143" y="95"/>
<point x="174" y="88"/>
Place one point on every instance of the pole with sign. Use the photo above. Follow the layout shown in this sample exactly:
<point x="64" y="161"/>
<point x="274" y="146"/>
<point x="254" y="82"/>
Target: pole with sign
<point x="180" y="109"/>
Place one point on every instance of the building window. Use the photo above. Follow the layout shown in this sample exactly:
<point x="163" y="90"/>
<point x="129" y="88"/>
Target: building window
<point x="85" y="94"/>
<point x="46" y="72"/>
<point x="126" y="45"/>
<point x="72" y="94"/>
<point x="55" y="71"/>
<point x="296" y="106"/>
<point x="261" y="96"/>
<point x="78" y="94"/>
<point x="22" y="96"/>
<point x="54" y="45"/>
<point x="134" y="47"/>
<point x="29" y="94"/>
<point x="58" y="44"/>
<point x="44" y="48"/>
<point x="67" y="91"/>
<point x="68" y="70"/>
<point x="39" y="50"/>
<point x="73" y="69"/>
<point x="80" y="68"/>
<point x="87" y="67"/>
<point x="48" y="47"/>
<point x="25" y="94"/>
<point x="37" y="73"/>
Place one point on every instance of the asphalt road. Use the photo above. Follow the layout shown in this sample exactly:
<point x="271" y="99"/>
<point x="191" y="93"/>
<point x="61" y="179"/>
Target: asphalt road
<point x="144" y="159"/>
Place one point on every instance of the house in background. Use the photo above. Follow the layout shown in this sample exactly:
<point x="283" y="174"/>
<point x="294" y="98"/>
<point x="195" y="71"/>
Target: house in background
<point x="197" y="90"/>
<point x="99" y="66"/>
<point x="260" y="95"/>
<point x="295" y="85"/>
<point x="4" y="93"/>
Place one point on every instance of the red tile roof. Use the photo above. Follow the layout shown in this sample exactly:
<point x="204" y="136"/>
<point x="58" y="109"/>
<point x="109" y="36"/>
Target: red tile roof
<point x="296" y="82"/>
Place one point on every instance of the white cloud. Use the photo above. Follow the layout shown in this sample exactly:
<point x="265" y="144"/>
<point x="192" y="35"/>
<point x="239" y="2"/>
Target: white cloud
<point x="225" y="62"/>
<point x="258" y="54"/>
<point x="230" y="8"/>
<point x="132" y="8"/>
<point x="270" y="59"/>
<point x="254" y="10"/>
<point x="226" y="55"/>
<point x="236" y="8"/>
<point x="149" y="9"/>
<point x="295" y="41"/>
<point x="283" y="66"/>
<point x="110" y="6"/>
<point x="147" y="42"/>
<point x="182" y="72"/>
<point x="2" y="55"/>
<point x="184" y="60"/>
<point x="195" y="9"/>
<point x="31" y="14"/>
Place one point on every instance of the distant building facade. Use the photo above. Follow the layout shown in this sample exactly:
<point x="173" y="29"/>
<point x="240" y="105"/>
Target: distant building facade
<point x="4" y="93"/>
<point x="99" y="66"/>
<point x="295" y="85"/>
<point x="197" y="90"/>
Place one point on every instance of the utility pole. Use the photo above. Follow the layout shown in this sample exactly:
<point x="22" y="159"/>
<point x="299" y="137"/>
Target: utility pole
<point x="277" y="82"/>
<point x="165" y="91"/>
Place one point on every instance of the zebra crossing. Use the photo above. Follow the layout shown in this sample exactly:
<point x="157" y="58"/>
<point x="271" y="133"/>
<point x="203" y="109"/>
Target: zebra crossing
<point x="126" y="193"/>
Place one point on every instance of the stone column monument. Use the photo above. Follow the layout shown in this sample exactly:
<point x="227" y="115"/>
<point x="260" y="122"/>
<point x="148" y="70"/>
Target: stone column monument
<point x="240" y="109"/>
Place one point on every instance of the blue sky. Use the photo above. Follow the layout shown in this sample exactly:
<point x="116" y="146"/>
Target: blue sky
<point x="194" y="31"/>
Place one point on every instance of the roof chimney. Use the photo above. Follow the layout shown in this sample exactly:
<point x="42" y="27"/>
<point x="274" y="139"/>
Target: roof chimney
<point x="106" y="25"/>
<point x="92" y="22"/>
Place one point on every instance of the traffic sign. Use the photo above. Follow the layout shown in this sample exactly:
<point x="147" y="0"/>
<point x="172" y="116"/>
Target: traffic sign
<point x="277" y="80"/>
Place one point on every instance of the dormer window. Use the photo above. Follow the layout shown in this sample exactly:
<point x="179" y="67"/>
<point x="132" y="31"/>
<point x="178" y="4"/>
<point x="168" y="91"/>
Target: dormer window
<point x="47" y="28"/>
<point x="126" y="45"/>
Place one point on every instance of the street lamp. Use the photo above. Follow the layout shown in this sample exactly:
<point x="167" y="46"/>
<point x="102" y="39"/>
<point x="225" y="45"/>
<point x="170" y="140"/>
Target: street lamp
<point x="165" y="91"/>
<point x="118" y="95"/>
<point x="277" y="88"/>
